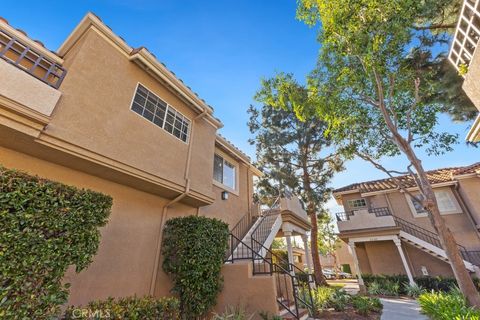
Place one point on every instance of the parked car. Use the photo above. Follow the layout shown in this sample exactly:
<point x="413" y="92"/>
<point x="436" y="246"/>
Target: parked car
<point x="344" y="275"/>
<point x="329" y="274"/>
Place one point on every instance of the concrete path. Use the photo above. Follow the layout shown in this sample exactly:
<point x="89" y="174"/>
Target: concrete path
<point x="401" y="309"/>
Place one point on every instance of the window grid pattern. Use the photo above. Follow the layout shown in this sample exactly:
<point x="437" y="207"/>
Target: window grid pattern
<point x="357" y="203"/>
<point x="151" y="107"/>
<point x="467" y="34"/>
<point x="224" y="172"/>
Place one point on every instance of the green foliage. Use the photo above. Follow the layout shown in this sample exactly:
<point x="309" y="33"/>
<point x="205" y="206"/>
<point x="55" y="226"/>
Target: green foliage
<point x="193" y="251"/>
<point x="126" y="308"/>
<point x="45" y="227"/>
<point x="447" y="306"/>
<point x="365" y="305"/>
<point x="346" y="268"/>
<point x="294" y="154"/>
<point x="280" y="258"/>
<point x="413" y="291"/>
<point x="462" y="69"/>
<point x="233" y="313"/>
<point x="379" y="284"/>
<point x="387" y="288"/>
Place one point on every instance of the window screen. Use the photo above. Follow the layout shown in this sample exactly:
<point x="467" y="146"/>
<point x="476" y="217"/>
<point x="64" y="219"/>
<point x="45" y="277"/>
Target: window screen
<point x="155" y="110"/>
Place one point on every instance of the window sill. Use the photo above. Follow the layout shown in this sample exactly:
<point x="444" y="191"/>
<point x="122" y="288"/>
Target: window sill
<point x="226" y="188"/>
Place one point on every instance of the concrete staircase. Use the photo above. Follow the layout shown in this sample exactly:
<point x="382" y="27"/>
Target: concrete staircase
<point x="429" y="242"/>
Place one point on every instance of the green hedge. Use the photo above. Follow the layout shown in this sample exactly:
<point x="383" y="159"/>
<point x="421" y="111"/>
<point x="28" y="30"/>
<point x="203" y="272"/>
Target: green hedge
<point x="126" y="308"/>
<point x="428" y="283"/>
<point x="447" y="306"/>
<point x="194" y="250"/>
<point x="45" y="227"/>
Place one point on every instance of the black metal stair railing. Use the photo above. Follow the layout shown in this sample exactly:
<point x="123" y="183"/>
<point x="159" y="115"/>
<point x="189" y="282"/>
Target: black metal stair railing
<point x="239" y="231"/>
<point x="472" y="256"/>
<point x="293" y="287"/>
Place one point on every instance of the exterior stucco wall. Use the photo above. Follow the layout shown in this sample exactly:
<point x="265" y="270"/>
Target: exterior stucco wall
<point x="236" y="206"/>
<point x="241" y="288"/>
<point x="95" y="110"/>
<point x="471" y="85"/>
<point x="459" y="223"/>
<point x="384" y="258"/>
<point x="124" y="262"/>
<point x="352" y="196"/>
<point x="362" y="257"/>
<point x="418" y="258"/>
<point x="470" y="191"/>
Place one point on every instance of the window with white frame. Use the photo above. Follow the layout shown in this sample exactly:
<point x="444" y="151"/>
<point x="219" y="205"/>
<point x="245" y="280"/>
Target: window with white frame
<point x="357" y="203"/>
<point x="447" y="204"/>
<point x="151" y="107"/>
<point x="224" y="172"/>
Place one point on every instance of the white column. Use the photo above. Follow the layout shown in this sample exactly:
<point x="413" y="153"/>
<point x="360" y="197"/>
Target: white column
<point x="288" y="236"/>
<point x="398" y="243"/>
<point x="308" y="254"/>
<point x="361" y="285"/>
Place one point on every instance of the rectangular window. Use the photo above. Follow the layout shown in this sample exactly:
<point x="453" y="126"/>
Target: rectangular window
<point x="357" y="203"/>
<point x="224" y="172"/>
<point x="447" y="204"/>
<point x="151" y="107"/>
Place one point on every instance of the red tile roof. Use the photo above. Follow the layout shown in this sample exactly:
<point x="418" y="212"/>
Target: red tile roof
<point x="435" y="176"/>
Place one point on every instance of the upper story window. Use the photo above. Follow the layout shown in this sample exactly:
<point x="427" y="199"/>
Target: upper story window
<point x="151" y="107"/>
<point x="224" y="172"/>
<point x="447" y="204"/>
<point x="357" y="203"/>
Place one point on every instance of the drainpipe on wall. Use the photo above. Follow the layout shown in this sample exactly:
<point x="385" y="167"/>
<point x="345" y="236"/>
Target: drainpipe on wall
<point x="172" y="202"/>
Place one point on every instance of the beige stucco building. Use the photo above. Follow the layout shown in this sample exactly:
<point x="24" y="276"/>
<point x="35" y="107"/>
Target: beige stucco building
<point x="102" y="115"/>
<point x="388" y="233"/>
<point x="465" y="56"/>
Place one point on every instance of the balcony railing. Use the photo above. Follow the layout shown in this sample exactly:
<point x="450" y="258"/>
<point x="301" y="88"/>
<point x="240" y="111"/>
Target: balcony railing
<point x="27" y="59"/>
<point x="467" y="34"/>
<point x="378" y="212"/>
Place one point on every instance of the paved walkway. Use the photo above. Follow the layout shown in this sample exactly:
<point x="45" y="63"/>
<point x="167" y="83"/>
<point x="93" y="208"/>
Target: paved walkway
<point x="401" y="309"/>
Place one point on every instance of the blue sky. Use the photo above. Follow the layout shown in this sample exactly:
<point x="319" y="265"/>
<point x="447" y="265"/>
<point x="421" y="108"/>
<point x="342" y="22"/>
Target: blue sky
<point x="221" y="49"/>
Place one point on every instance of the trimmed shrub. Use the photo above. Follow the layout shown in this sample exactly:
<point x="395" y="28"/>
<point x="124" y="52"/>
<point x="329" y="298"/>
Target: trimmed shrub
<point x="365" y="305"/>
<point x="45" y="227"/>
<point x="126" y="308"/>
<point x="193" y="250"/>
<point x="414" y="290"/>
<point x="446" y="306"/>
<point x="384" y="283"/>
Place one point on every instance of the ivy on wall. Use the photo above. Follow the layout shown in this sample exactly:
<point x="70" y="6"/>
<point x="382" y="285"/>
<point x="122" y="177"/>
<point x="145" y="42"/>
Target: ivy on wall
<point x="193" y="250"/>
<point x="45" y="227"/>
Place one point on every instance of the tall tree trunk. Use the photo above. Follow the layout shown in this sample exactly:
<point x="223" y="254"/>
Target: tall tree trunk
<point x="430" y="203"/>
<point x="447" y="240"/>
<point x="317" y="266"/>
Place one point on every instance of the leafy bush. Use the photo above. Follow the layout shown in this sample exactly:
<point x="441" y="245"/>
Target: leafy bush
<point x="126" y="308"/>
<point x="428" y="283"/>
<point x="364" y="305"/>
<point x="233" y="313"/>
<point x="283" y="255"/>
<point x="446" y="306"/>
<point x="374" y="288"/>
<point x="339" y="300"/>
<point x="45" y="227"/>
<point x="413" y="290"/>
<point x="193" y="250"/>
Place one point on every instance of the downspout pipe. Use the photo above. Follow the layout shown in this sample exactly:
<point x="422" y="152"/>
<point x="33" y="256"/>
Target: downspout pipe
<point x="172" y="202"/>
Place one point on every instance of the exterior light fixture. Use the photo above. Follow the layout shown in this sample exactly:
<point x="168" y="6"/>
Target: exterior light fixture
<point x="224" y="195"/>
